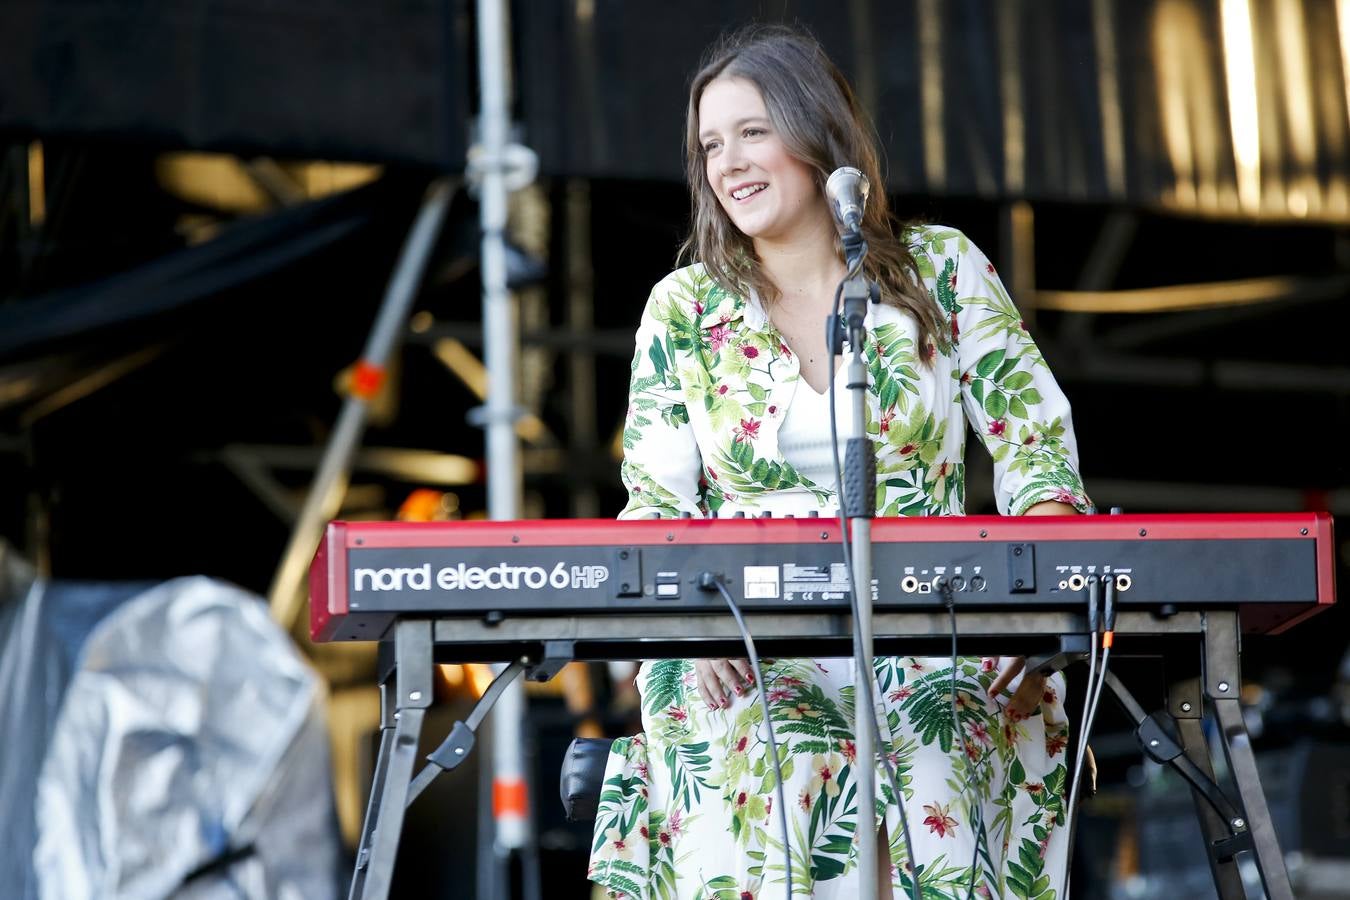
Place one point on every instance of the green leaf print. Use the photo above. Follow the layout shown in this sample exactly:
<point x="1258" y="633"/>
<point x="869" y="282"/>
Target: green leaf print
<point x="996" y="404"/>
<point x="1025" y="876"/>
<point x="823" y="868"/>
<point x="665" y="684"/>
<point x="990" y="362"/>
<point x="944" y="287"/>
<point x="621" y="875"/>
<point x="657" y="354"/>
<point x="929" y="707"/>
<point x="688" y="765"/>
<point x="736" y="474"/>
<point x="675" y="415"/>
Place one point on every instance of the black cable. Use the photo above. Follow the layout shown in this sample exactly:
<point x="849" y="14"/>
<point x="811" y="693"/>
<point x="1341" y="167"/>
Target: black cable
<point x="1095" y="683"/>
<point x="868" y="678"/>
<point x="708" y="578"/>
<point x="982" y="835"/>
<point x="1095" y="691"/>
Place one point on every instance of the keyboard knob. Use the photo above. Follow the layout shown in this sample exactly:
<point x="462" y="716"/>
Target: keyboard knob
<point x="653" y="515"/>
<point x="814" y="514"/>
<point x="740" y="514"/>
<point x="686" y="514"/>
<point x="767" y="514"/>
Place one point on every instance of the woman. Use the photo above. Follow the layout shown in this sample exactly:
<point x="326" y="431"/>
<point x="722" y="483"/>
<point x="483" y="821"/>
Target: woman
<point x="728" y="413"/>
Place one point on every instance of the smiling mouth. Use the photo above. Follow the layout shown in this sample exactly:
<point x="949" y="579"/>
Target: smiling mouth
<point x="747" y="192"/>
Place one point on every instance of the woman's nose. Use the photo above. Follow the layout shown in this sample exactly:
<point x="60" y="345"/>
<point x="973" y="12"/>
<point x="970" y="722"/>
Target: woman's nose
<point x="733" y="160"/>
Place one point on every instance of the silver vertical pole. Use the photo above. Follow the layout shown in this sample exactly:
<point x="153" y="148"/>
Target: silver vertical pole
<point x="857" y="496"/>
<point x="510" y="803"/>
<point x="860" y="527"/>
<point x="498" y="312"/>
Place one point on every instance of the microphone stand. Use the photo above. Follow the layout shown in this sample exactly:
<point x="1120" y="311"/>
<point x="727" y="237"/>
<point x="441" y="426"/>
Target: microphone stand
<point x="859" y="499"/>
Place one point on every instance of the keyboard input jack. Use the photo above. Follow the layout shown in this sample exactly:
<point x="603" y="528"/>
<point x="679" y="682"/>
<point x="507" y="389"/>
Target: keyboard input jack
<point x="958" y="583"/>
<point x="1123" y="582"/>
<point x="1076" y="582"/>
<point x="977" y="583"/>
<point x="939" y="582"/>
<point x="909" y="584"/>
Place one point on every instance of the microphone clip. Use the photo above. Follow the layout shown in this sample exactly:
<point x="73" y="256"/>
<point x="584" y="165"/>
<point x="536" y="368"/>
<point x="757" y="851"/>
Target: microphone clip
<point x="855" y="247"/>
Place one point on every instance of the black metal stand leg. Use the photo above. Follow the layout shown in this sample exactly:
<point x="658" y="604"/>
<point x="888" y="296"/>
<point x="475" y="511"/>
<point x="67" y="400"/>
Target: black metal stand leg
<point x="387" y="722"/>
<point x="1184" y="703"/>
<point x="1222" y="686"/>
<point x="402" y="715"/>
<point x="402" y="711"/>
<point x="1157" y="741"/>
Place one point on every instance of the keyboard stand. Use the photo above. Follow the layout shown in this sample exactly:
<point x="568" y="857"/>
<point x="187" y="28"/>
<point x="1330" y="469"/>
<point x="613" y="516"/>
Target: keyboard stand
<point x="538" y="647"/>
<point x="401" y="717"/>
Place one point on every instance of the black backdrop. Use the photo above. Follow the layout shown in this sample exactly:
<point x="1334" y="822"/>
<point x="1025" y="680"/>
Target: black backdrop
<point x="328" y="79"/>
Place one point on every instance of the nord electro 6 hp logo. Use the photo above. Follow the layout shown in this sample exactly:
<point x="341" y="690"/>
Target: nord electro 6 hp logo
<point x="501" y="577"/>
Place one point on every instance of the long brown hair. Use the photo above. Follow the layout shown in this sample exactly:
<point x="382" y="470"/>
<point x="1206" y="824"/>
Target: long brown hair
<point x="813" y="108"/>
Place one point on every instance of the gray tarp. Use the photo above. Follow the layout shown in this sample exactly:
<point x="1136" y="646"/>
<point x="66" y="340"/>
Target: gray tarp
<point x="191" y="740"/>
<point x="43" y="625"/>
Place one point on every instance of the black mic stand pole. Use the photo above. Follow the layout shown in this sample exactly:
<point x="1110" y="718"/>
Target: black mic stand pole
<point x="859" y="497"/>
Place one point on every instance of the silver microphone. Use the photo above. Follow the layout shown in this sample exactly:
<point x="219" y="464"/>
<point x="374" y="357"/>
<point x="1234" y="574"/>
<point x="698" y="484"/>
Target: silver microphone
<point x="847" y="189"/>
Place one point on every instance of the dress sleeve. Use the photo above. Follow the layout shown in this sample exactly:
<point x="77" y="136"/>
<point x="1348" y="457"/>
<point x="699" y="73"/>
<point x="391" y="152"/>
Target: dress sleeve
<point x="661" y="462"/>
<point x="1010" y="398"/>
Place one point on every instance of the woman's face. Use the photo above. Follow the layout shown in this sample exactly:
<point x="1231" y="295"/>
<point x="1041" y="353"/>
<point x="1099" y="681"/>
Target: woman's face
<point x="767" y="193"/>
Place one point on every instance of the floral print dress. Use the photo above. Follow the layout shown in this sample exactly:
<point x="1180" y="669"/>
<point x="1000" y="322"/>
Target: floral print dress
<point x="686" y="811"/>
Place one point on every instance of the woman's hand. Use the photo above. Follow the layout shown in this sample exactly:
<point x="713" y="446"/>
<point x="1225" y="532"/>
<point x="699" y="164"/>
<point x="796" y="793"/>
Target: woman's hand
<point x="1029" y="692"/>
<point x="719" y="677"/>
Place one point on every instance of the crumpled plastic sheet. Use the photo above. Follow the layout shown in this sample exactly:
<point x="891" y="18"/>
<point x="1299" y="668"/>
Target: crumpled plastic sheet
<point x="190" y="759"/>
<point x="43" y="625"/>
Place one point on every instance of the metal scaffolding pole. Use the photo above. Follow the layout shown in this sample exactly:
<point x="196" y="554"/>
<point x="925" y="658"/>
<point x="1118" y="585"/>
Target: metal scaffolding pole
<point x="286" y="595"/>
<point x="498" y="167"/>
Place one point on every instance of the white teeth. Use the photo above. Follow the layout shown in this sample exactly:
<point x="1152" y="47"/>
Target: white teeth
<point x="744" y="192"/>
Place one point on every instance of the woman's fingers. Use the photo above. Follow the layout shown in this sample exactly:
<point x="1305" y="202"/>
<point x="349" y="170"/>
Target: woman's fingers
<point x="730" y="677"/>
<point x="1028" y="694"/>
<point x="718" y="677"/>
<point x="1008" y="670"/>
<point x="708" y="687"/>
<point x="1029" y="691"/>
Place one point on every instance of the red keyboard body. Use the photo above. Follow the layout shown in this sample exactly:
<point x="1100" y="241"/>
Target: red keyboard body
<point x="1275" y="568"/>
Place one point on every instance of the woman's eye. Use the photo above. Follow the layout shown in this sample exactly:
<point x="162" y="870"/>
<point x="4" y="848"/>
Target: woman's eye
<point x="711" y="146"/>
<point x="755" y="132"/>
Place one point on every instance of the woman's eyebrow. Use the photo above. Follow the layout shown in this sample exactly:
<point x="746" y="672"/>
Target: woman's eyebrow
<point x="739" y="123"/>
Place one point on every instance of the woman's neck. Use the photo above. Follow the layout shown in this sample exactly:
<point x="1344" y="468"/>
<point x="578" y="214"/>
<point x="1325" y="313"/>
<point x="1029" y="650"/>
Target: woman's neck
<point x="806" y="267"/>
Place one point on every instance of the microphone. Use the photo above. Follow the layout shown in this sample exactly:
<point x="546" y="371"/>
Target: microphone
<point x="847" y="189"/>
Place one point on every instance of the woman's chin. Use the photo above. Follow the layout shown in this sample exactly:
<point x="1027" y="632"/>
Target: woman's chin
<point x="755" y="227"/>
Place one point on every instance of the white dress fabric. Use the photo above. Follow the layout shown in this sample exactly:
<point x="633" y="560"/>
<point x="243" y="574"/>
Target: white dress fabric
<point x="720" y="422"/>
<point x="804" y="436"/>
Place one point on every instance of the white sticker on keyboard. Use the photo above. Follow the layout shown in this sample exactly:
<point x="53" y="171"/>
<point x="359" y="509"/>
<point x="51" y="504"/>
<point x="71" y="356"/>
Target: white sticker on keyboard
<point x="761" y="582"/>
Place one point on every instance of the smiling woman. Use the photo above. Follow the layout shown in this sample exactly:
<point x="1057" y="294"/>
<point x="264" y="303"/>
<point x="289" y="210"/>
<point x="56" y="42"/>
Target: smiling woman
<point x="717" y="426"/>
<point x="769" y="194"/>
